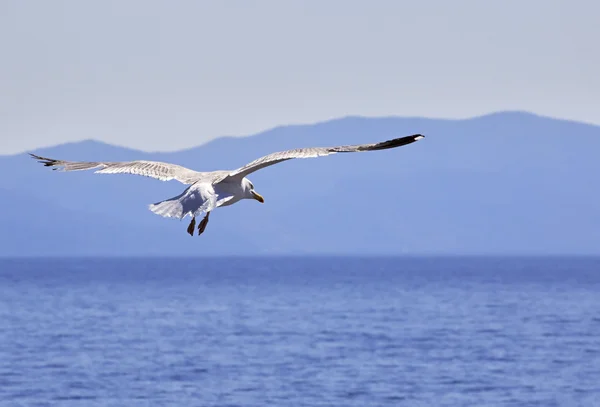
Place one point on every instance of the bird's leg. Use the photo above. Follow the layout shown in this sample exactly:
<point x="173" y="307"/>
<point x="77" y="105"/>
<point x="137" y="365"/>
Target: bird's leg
<point x="203" y="224"/>
<point x="191" y="227"/>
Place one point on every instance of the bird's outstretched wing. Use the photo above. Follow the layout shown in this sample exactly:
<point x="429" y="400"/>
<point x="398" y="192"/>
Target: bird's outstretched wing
<point x="278" y="157"/>
<point x="153" y="169"/>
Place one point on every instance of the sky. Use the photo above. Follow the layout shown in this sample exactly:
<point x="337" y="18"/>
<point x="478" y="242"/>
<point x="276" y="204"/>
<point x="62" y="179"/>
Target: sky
<point x="167" y="75"/>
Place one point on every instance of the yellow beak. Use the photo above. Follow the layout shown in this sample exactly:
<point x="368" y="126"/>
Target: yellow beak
<point x="258" y="197"/>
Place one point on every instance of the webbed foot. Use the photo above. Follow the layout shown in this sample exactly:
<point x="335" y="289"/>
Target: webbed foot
<point x="191" y="227"/>
<point x="203" y="224"/>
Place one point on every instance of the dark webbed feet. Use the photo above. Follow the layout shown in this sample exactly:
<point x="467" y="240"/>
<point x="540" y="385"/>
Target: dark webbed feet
<point x="191" y="227"/>
<point x="203" y="224"/>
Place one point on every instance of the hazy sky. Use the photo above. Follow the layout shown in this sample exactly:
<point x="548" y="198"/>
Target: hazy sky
<point x="164" y="75"/>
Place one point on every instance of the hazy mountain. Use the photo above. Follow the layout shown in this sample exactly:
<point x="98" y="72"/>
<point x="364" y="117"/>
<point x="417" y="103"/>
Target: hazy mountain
<point x="505" y="183"/>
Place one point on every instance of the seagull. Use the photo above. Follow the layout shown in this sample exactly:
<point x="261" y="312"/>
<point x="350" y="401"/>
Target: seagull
<point x="210" y="190"/>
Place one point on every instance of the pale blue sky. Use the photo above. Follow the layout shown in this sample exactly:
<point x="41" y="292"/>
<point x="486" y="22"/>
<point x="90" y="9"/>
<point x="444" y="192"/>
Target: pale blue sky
<point x="164" y="75"/>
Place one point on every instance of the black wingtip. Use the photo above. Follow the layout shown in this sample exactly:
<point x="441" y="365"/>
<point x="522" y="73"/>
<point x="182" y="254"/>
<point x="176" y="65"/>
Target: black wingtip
<point x="48" y="162"/>
<point x="397" y="142"/>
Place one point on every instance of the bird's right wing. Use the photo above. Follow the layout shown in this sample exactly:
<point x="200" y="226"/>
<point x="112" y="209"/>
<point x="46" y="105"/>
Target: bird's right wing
<point x="153" y="169"/>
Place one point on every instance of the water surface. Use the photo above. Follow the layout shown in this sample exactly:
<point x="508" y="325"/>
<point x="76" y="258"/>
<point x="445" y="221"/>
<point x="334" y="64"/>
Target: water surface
<point x="300" y="332"/>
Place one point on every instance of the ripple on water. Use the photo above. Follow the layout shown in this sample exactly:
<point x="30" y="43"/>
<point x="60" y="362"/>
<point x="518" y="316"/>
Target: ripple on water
<point x="325" y="332"/>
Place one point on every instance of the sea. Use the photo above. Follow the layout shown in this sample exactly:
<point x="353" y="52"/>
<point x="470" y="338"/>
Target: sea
<point x="298" y="331"/>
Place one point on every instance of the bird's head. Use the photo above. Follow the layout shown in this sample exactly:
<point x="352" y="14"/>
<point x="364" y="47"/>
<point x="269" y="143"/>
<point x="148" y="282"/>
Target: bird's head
<point x="250" y="192"/>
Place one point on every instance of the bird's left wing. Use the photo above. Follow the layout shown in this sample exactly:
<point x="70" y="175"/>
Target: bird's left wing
<point x="278" y="157"/>
<point x="153" y="169"/>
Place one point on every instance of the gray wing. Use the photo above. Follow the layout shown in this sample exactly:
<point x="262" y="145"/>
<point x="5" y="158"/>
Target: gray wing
<point x="278" y="157"/>
<point x="153" y="169"/>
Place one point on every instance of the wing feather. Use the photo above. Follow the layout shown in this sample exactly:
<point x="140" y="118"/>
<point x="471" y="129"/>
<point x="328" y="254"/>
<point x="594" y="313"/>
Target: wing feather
<point x="153" y="169"/>
<point x="278" y="157"/>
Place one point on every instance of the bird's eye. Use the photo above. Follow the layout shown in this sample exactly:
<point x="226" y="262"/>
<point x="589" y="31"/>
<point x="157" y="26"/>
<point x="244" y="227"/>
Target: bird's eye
<point x="252" y="185"/>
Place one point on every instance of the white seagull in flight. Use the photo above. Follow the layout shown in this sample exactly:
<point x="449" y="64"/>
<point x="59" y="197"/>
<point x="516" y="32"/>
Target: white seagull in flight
<point x="210" y="190"/>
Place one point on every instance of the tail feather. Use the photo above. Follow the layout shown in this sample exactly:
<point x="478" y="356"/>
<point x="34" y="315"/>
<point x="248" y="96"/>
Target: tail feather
<point x="192" y="201"/>
<point x="171" y="208"/>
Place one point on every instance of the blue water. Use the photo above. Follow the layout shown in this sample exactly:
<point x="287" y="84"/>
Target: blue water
<point x="300" y="332"/>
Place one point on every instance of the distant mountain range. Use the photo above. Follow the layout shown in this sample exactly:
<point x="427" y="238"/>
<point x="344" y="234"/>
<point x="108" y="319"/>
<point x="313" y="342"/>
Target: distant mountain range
<point x="504" y="183"/>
